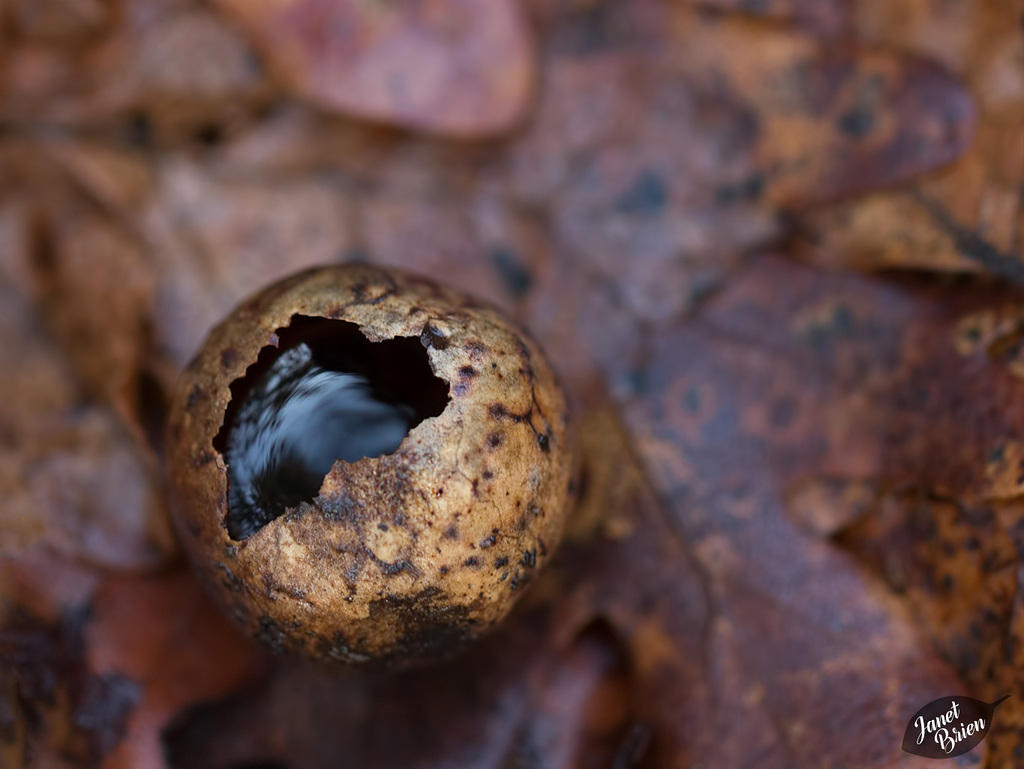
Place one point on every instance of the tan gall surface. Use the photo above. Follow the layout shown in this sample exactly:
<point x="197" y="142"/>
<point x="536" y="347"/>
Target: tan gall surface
<point x="404" y="555"/>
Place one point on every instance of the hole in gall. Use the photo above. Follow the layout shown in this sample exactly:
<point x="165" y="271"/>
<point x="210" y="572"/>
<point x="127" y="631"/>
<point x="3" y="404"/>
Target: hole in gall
<point x="325" y="393"/>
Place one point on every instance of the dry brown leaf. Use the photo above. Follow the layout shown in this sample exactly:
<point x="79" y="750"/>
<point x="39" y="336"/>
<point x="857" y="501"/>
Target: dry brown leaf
<point x="680" y="659"/>
<point x="445" y="66"/>
<point x="970" y="216"/>
<point x="855" y="392"/>
<point x="164" y="635"/>
<point x="70" y="475"/>
<point x="959" y="571"/>
<point x="823" y="449"/>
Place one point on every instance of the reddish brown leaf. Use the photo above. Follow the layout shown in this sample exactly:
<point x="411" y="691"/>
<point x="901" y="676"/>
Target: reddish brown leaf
<point x="832" y="120"/>
<point x="163" y="635"/>
<point x="876" y="397"/>
<point x="970" y="216"/>
<point x="445" y="66"/>
<point x="679" y="662"/>
<point x="54" y="712"/>
<point x="70" y="476"/>
<point x="834" y="461"/>
<point x="959" y="571"/>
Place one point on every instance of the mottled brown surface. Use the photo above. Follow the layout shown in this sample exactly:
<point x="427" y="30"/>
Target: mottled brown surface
<point x="400" y="556"/>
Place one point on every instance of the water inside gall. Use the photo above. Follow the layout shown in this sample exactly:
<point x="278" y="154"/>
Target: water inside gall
<point x="324" y="393"/>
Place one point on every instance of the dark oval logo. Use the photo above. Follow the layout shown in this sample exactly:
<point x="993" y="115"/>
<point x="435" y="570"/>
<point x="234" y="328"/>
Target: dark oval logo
<point x="949" y="727"/>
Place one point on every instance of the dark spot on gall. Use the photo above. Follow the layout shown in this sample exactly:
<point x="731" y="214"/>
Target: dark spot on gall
<point x="272" y="635"/>
<point x="432" y="337"/>
<point x="230" y="581"/>
<point x="391" y="569"/>
<point x="460" y="388"/>
<point x="471" y="561"/>
<point x="487" y="475"/>
<point x="202" y="459"/>
<point x="451" y="533"/>
<point x="544" y="442"/>
<point x="340" y="508"/>
<point x="382" y="526"/>
<point x="228" y="357"/>
<point x="529" y="559"/>
<point x="430" y="623"/>
<point x="494" y="440"/>
<point x="498" y="411"/>
<point x="475" y="349"/>
<point x="443" y="569"/>
<point x="499" y="562"/>
<point x="194" y="396"/>
<point x="468" y="371"/>
<point x="488" y="542"/>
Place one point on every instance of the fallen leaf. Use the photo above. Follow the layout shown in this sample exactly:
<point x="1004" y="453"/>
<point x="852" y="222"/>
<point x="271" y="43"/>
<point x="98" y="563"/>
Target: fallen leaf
<point x="70" y="475"/>
<point x="444" y="66"/>
<point x="800" y="517"/>
<point x="165" y="637"/>
<point x="970" y="216"/>
<point x="679" y="660"/>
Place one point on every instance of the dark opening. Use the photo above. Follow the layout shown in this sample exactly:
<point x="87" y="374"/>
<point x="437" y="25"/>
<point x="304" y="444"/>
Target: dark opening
<point x="325" y="393"/>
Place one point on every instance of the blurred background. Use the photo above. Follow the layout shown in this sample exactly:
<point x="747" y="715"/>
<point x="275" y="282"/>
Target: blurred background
<point x="774" y="248"/>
